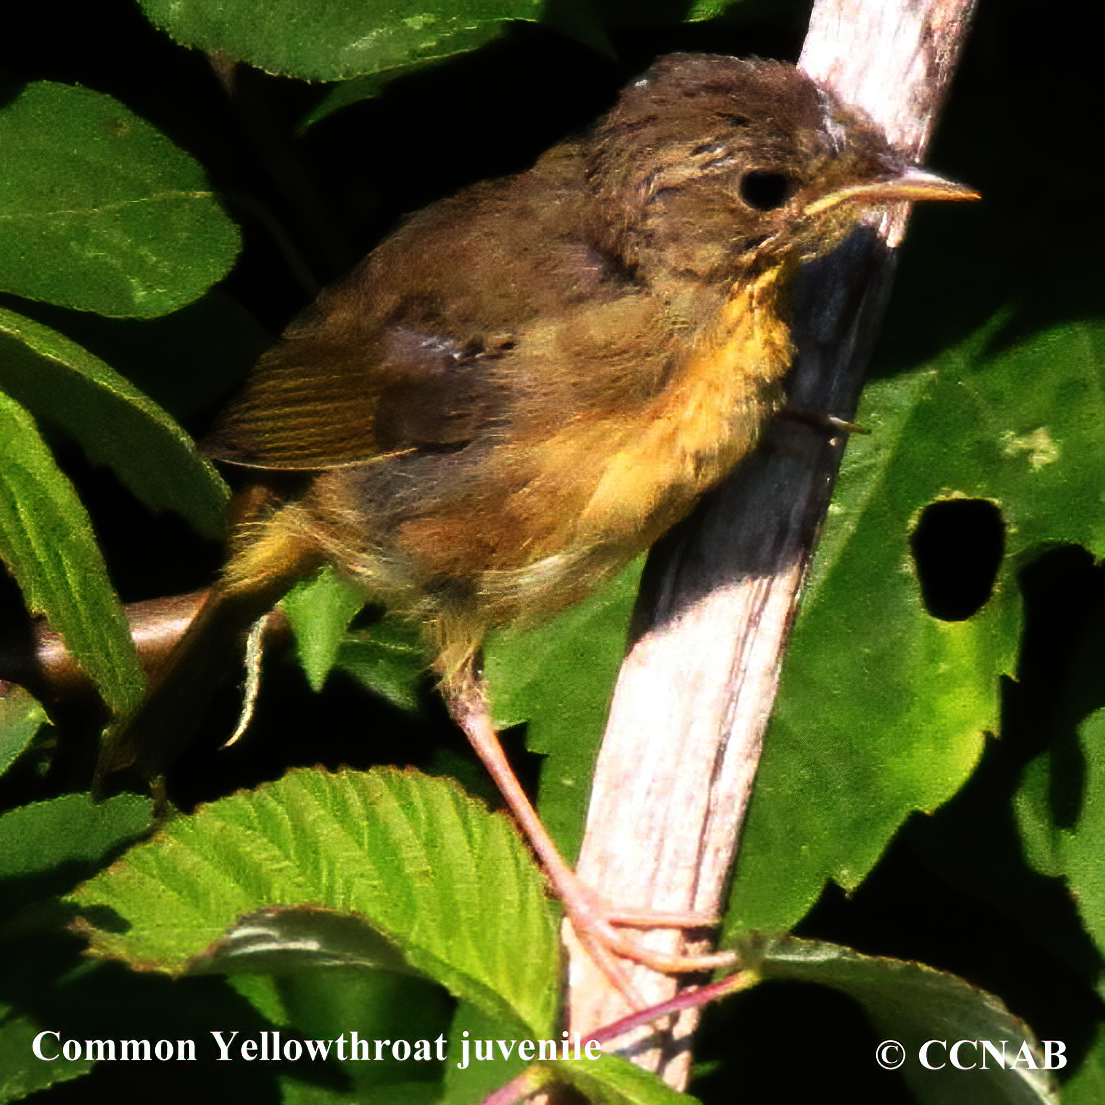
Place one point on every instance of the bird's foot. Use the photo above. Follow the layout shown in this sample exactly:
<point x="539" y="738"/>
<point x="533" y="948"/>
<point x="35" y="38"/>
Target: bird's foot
<point x="599" y="928"/>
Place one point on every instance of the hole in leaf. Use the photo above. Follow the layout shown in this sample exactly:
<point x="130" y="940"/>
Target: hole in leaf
<point x="957" y="549"/>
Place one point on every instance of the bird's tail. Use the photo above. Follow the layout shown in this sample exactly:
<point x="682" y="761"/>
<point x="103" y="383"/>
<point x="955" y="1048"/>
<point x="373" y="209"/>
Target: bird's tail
<point x="271" y="556"/>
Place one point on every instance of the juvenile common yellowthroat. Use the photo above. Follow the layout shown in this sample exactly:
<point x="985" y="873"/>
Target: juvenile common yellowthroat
<point x="531" y="381"/>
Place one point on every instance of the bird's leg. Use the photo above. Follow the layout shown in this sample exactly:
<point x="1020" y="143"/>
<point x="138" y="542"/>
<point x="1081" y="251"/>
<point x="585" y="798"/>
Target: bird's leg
<point x="592" y="921"/>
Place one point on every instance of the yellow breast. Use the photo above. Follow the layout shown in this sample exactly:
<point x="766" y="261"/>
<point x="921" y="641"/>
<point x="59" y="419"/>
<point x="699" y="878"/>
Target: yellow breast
<point x="703" y="423"/>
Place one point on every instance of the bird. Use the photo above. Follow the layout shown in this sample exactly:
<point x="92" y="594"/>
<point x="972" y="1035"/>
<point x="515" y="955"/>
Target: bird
<point x="529" y="382"/>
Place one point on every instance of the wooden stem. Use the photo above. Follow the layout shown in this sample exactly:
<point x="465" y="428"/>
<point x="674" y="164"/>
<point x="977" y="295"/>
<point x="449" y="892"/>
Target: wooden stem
<point x="697" y="688"/>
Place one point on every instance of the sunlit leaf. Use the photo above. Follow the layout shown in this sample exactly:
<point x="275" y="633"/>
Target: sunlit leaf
<point x="47" y="543"/>
<point x="320" y="610"/>
<point x="883" y="707"/>
<point x="1087" y="1084"/>
<point x="446" y="882"/>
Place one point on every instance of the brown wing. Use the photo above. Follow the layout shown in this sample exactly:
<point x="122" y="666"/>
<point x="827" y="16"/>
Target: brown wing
<point x="408" y="352"/>
<point x="304" y="406"/>
<point x="320" y="400"/>
<point x="396" y="356"/>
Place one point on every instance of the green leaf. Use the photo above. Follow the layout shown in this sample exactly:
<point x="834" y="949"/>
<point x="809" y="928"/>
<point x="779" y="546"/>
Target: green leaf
<point x="910" y="1003"/>
<point x="114" y="422"/>
<point x="51" y="988"/>
<point x="21" y="1071"/>
<point x="583" y="22"/>
<point x="559" y="678"/>
<point x="448" y="883"/>
<point x="383" y="1005"/>
<point x="893" y="722"/>
<point x="611" y="1080"/>
<point x="365" y="983"/>
<point x="1056" y="846"/>
<point x="262" y="992"/>
<point x="320" y="610"/>
<point x="665" y="13"/>
<point x="21" y="717"/>
<point x="186" y="361"/>
<point x="390" y="659"/>
<point x="1087" y="1084"/>
<point x="42" y="836"/>
<point x="335" y="39"/>
<point x="294" y="1092"/>
<point x="346" y="93"/>
<point x="100" y="211"/>
<point x="46" y="541"/>
<point x="477" y="1080"/>
<point x="284" y="939"/>
<point x="707" y="9"/>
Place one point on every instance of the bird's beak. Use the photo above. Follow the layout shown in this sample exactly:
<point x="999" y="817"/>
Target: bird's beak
<point x="910" y="184"/>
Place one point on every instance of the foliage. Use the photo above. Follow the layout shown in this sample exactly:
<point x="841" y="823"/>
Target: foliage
<point x="155" y="227"/>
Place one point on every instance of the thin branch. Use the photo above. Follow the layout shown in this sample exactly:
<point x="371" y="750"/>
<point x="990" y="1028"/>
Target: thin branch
<point x="38" y="660"/>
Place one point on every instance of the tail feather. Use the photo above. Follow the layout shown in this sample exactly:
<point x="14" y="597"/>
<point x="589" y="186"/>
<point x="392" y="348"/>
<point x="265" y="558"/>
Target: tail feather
<point x="151" y="738"/>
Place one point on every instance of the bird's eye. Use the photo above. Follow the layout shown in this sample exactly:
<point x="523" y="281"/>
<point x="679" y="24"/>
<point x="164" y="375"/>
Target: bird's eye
<point x="764" y="189"/>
